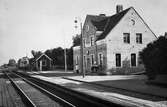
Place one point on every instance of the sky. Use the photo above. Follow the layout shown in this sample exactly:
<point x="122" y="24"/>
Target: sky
<point x="39" y="25"/>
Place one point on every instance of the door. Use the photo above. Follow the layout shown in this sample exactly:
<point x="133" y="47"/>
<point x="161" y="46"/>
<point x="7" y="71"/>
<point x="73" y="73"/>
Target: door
<point x="40" y="65"/>
<point x="88" y="64"/>
<point x="133" y="59"/>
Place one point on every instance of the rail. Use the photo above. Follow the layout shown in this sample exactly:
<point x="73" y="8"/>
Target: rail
<point x="74" y="97"/>
<point x="25" y="98"/>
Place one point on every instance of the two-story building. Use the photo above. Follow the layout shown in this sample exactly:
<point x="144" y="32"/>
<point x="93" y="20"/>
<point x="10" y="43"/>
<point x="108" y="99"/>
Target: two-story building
<point x="114" y="42"/>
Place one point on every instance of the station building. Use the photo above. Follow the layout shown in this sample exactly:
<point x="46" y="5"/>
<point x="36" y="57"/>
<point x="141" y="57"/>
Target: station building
<point x="114" y="42"/>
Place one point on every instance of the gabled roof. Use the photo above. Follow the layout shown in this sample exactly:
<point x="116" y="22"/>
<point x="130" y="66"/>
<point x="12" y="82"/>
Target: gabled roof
<point x="97" y="18"/>
<point x="100" y="25"/>
<point x="41" y="56"/>
<point x="94" y="19"/>
<point x="105" y="23"/>
<point x="111" y="23"/>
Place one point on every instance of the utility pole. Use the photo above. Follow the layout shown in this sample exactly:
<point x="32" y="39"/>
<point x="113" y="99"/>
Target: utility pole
<point x="82" y="70"/>
<point x="65" y="59"/>
<point x="81" y="49"/>
<point x="65" y="56"/>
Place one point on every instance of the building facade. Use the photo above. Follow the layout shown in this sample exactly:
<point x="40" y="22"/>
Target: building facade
<point x="43" y="63"/>
<point x="23" y="62"/>
<point x="114" y="42"/>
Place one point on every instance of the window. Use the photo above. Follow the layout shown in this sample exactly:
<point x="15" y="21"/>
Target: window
<point x="84" y="43"/>
<point x="133" y="59"/>
<point x="84" y="61"/>
<point x="126" y="37"/>
<point x="43" y="62"/>
<point x="87" y="28"/>
<point x="100" y="59"/>
<point x="139" y="38"/>
<point x="92" y="59"/>
<point x="91" y="41"/>
<point x="118" y="60"/>
<point x="77" y="60"/>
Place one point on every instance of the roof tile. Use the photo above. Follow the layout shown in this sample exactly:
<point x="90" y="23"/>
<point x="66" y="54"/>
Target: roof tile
<point x="111" y="23"/>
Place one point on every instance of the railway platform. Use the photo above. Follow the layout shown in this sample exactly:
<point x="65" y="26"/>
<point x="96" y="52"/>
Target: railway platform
<point x="110" y="81"/>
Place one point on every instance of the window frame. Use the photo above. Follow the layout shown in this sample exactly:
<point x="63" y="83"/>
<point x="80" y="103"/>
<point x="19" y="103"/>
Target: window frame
<point x="84" y="42"/>
<point x="126" y="38"/>
<point x="77" y="60"/>
<point x="92" y="40"/>
<point x="92" y="59"/>
<point x="118" y="59"/>
<point x="100" y="59"/>
<point x="133" y="61"/>
<point x="139" y="39"/>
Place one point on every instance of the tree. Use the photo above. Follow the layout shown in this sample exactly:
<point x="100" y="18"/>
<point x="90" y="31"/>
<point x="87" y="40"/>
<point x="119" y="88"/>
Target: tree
<point x="70" y="58"/>
<point x="57" y="56"/>
<point x="36" y="53"/>
<point x="154" y="57"/>
<point x="76" y="40"/>
<point x="33" y="53"/>
<point x="12" y="62"/>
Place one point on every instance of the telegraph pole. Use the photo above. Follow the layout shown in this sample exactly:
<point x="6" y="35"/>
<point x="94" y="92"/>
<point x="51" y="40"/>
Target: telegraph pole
<point x="65" y="56"/>
<point x="82" y="70"/>
<point x="81" y="50"/>
<point x="65" y="59"/>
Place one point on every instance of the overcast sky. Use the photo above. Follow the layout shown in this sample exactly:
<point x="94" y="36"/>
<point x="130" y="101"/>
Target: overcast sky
<point x="27" y="25"/>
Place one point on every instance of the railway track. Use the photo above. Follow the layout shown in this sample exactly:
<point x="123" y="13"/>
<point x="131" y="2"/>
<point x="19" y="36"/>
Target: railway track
<point x="23" y="95"/>
<point x="35" y="97"/>
<point x="66" y="97"/>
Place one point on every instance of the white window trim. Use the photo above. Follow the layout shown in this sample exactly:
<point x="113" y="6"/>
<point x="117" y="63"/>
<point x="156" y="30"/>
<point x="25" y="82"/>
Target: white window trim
<point x="99" y="58"/>
<point x="138" y="41"/>
<point x="92" y="40"/>
<point x="84" y="43"/>
<point x="126" y="38"/>
<point x="77" y="60"/>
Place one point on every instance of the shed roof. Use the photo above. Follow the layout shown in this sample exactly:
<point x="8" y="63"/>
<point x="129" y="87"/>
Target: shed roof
<point x="43" y="55"/>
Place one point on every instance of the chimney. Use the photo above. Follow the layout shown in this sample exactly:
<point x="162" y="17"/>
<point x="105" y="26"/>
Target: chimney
<point x="119" y="8"/>
<point x="165" y="34"/>
<point x="102" y="15"/>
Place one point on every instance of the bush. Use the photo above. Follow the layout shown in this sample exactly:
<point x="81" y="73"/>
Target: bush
<point x="127" y="70"/>
<point x="154" y="57"/>
<point x="104" y="73"/>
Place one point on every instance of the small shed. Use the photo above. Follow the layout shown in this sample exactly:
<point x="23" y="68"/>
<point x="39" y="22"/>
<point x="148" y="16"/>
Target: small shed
<point x="43" y="62"/>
